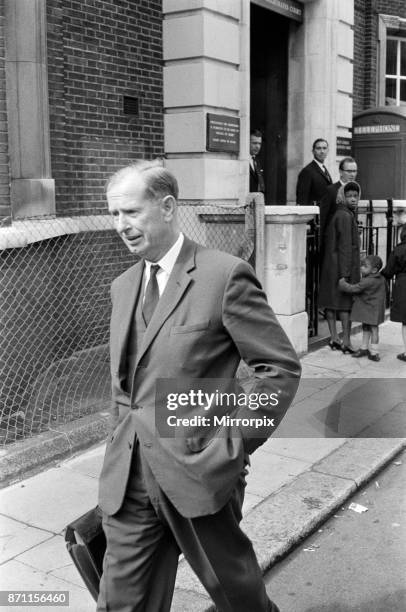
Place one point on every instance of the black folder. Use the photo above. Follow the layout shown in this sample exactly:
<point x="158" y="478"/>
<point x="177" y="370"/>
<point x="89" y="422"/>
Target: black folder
<point x="86" y="544"/>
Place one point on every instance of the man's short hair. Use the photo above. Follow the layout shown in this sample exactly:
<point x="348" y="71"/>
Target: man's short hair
<point x="346" y="160"/>
<point x="255" y="132"/>
<point x="159" y="181"/>
<point x="374" y="260"/>
<point x="317" y="141"/>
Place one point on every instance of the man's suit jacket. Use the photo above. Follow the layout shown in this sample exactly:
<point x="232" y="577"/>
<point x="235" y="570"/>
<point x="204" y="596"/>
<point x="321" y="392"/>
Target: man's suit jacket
<point x="328" y="206"/>
<point x="311" y="185"/>
<point x="257" y="181"/>
<point x="212" y="313"/>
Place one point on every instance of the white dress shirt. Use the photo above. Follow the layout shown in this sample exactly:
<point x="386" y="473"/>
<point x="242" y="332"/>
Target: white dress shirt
<point x="166" y="264"/>
<point x="321" y="166"/>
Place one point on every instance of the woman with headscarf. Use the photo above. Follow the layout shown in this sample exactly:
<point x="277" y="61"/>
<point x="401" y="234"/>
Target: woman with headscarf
<point x="341" y="260"/>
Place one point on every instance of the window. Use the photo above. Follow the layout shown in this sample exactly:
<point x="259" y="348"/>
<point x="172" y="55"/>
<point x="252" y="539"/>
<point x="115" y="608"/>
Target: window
<point x="395" y="73"/>
<point x="391" y="61"/>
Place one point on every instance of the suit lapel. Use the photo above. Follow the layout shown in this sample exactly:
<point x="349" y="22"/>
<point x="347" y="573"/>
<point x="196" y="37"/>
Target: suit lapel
<point x="326" y="177"/>
<point x="174" y="290"/>
<point x="123" y="316"/>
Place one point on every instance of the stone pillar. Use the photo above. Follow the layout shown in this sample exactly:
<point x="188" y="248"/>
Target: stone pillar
<point x="32" y="189"/>
<point x="285" y="268"/>
<point x="321" y="53"/>
<point x="202" y="48"/>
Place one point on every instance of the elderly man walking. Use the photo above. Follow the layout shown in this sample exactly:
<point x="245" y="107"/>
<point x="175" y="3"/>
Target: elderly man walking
<point x="182" y="312"/>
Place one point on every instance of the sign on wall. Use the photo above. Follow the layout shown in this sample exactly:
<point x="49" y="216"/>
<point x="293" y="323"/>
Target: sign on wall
<point x="223" y="133"/>
<point x="343" y="146"/>
<point x="288" y="8"/>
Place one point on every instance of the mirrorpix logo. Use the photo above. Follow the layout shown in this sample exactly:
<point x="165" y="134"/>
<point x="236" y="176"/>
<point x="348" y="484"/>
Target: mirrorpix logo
<point x="189" y="407"/>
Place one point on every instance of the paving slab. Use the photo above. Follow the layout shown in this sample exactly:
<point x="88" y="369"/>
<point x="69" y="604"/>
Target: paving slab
<point x="305" y="420"/>
<point x="89" y="464"/>
<point x="18" y="576"/>
<point x="56" y="497"/>
<point x="390" y="425"/>
<point x="48" y="556"/>
<point x="17" y="537"/>
<point x="70" y="574"/>
<point x="250" y="501"/>
<point x="305" y="449"/>
<point x="268" y="472"/>
<point x="360" y="458"/>
<point x="186" y="601"/>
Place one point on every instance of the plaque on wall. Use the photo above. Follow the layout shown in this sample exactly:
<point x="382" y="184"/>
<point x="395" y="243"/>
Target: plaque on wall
<point x="343" y="146"/>
<point x="223" y="133"/>
<point x="292" y="9"/>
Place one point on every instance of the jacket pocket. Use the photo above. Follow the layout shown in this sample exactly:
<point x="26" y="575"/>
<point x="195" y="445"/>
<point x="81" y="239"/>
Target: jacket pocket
<point x="196" y="444"/>
<point x="192" y="327"/>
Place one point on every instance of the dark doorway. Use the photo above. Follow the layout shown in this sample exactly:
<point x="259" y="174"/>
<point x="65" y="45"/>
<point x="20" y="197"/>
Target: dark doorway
<point x="269" y="95"/>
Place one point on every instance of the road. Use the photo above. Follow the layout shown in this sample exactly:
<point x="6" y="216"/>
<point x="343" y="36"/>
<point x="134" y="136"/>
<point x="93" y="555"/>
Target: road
<point x="354" y="562"/>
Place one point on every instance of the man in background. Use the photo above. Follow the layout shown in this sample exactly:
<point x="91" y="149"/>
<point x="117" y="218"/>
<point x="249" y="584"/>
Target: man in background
<point x="314" y="178"/>
<point x="257" y="181"/>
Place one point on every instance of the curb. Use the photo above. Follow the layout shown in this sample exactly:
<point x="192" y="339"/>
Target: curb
<point x="25" y="458"/>
<point x="313" y="496"/>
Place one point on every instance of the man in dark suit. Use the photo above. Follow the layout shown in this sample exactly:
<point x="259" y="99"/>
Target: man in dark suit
<point x="257" y="181"/>
<point x="182" y="313"/>
<point x="314" y="178"/>
<point x="348" y="172"/>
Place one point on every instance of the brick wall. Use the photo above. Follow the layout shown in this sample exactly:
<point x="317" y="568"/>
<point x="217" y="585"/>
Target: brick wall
<point x="98" y="52"/>
<point x="4" y="166"/>
<point x="365" y="51"/>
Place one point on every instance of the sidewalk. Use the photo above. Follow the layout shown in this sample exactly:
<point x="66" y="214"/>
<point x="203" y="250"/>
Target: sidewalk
<point x="296" y="479"/>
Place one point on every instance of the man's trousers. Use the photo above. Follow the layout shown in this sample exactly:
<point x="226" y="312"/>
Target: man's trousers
<point x="146" y="536"/>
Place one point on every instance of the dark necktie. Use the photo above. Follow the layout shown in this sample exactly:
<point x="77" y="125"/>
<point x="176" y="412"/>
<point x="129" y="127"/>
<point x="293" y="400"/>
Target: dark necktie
<point x="151" y="295"/>
<point x="326" y="172"/>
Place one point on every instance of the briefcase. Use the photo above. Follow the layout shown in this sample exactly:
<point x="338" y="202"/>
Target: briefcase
<point x="86" y="544"/>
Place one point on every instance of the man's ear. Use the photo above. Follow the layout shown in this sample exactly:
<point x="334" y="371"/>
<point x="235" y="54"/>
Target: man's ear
<point x="168" y="207"/>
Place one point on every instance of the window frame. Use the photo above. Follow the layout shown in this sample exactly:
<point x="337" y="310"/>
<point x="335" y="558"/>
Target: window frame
<point x="389" y="27"/>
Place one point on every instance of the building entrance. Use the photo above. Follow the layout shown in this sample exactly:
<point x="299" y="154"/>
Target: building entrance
<point x="269" y="96"/>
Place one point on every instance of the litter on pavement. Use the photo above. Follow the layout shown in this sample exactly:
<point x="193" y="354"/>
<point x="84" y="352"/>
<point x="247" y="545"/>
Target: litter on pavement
<point x="357" y="508"/>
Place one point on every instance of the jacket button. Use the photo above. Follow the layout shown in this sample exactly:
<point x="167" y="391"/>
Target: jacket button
<point x="148" y="444"/>
<point x="130" y="445"/>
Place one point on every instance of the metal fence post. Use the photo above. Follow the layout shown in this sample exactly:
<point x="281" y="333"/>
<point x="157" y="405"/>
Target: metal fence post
<point x="259" y="225"/>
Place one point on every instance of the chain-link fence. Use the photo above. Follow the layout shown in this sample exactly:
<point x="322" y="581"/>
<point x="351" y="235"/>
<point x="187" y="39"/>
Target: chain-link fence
<point x="55" y="278"/>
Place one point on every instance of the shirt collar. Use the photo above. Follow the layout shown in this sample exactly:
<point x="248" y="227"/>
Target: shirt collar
<point x="319" y="164"/>
<point x="168" y="260"/>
